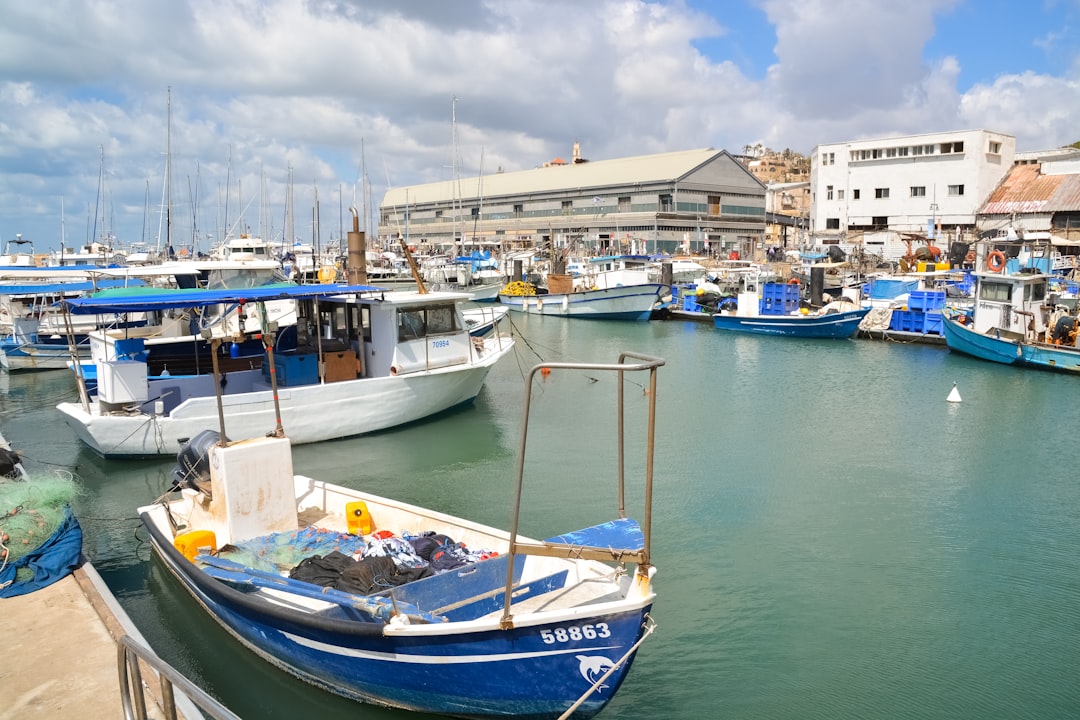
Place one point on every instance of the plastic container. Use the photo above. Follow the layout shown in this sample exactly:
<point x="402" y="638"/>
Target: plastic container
<point x="196" y="542"/>
<point x="358" y="519"/>
<point x="926" y="300"/>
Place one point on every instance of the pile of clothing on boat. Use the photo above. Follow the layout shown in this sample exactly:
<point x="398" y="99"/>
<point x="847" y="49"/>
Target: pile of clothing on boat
<point x="384" y="561"/>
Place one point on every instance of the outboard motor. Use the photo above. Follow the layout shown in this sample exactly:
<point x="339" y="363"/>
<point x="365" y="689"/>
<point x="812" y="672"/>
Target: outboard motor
<point x="193" y="462"/>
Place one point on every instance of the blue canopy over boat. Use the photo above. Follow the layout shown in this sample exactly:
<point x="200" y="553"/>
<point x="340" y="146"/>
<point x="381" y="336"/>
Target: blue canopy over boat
<point x="106" y="303"/>
<point x="56" y="288"/>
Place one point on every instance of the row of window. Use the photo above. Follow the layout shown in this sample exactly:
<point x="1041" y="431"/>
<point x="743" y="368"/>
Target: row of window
<point x="883" y="193"/>
<point x="945" y="148"/>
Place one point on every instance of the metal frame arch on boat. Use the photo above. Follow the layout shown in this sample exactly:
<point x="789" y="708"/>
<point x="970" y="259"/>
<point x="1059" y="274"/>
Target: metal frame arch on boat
<point x="995" y="265"/>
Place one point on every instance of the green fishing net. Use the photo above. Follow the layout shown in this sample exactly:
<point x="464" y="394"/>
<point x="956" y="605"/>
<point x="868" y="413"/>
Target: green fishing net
<point x="30" y="512"/>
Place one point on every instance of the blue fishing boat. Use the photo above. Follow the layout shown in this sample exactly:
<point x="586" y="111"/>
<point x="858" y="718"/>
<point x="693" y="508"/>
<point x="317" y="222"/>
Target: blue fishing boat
<point x="838" y="324"/>
<point x="1015" y="319"/>
<point x="353" y="593"/>
<point x="777" y="311"/>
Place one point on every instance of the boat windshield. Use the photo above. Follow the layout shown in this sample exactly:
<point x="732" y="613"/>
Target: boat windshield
<point x="239" y="278"/>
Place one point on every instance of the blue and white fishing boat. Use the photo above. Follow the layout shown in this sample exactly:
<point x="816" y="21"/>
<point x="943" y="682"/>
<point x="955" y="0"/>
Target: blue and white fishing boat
<point x="1015" y="319"/>
<point x="777" y="311"/>
<point x="512" y="628"/>
<point x="357" y="360"/>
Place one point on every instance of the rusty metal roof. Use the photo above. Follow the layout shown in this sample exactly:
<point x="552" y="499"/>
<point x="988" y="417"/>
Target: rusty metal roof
<point x="1026" y="190"/>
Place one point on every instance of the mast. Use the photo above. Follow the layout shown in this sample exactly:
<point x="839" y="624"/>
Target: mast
<point x="168" y="175"/>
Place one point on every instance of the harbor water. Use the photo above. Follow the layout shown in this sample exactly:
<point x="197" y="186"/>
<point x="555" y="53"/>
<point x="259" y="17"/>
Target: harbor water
<point x="834" y="539"/>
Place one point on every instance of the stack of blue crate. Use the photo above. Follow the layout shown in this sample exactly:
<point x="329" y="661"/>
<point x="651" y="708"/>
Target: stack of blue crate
<point x="779" y="299"/>
<point x="923" y="314"/>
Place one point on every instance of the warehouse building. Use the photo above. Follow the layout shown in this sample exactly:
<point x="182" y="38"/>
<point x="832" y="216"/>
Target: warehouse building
<point x="694" y="202"/>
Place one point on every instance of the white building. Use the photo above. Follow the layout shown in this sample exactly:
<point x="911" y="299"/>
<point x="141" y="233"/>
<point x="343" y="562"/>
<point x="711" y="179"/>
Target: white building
<point x="871" y="191"/>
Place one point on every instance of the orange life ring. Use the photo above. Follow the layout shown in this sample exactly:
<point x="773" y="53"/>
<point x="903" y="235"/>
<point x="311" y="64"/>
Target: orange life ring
<point x="793" y="281"/>
<point x="970" y="257"/>
<point x="995" y="261"/>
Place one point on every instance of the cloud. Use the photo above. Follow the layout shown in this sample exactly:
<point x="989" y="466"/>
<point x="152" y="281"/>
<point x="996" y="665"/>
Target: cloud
<point x="318" y="90"/>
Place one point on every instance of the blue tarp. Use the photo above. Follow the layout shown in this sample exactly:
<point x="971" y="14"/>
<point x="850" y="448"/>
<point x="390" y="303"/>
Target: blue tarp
<point x="113" y="304"/>
<point x="57" y="288"/>
<point x="52" y="560"/>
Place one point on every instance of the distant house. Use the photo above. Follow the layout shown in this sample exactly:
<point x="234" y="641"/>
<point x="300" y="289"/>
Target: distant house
<point x="875" y="192"/>
<point x="694" y="201"/>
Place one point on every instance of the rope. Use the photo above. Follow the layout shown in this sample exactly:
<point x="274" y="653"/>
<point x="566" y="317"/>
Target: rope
<point x="650" y="626"/>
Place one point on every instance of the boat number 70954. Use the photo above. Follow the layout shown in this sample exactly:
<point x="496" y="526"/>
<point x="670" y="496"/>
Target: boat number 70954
<point x="574" y="633"/>
<point x="440" y="343"/>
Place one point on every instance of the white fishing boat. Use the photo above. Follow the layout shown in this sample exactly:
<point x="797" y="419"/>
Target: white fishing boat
<point x="357" y="360"/>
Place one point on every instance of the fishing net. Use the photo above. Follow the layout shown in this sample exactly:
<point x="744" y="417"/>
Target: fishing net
<point x="284" y="550"/>
<point x="31" y="512"/>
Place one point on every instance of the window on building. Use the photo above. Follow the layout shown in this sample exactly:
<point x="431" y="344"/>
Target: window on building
<point x="624" y="203"/>
<point x="916" y="150"/>
<point x="828" y="192"/>
<point x="956" y="190"/>
<point x="839" y="194"/>
<point x="890" y="152"/>
<point x="902" y="152"/>
<point x="995" y="147"/>
<point x="854" y="194"/>
<point x="519" y="209"/>
<point x="832" y="223"/>
<point x="918" y="191"/>
<point x="881" y="222"/>
<point x="953" y="147"/>
<point x="567" y="206"/>
<point x="881" y="193"/>
<point x="876" y="154"/>
<point x="665" y="203"/>
<point x="475" y="212"/>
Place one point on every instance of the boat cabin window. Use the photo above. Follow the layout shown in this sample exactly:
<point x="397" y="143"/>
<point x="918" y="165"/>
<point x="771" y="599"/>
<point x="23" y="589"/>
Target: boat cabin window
<point x="415" y="324"/>
<point x="995" y="291"/>
<point x="1035" y="292"/>
<point x="233" y="278"/>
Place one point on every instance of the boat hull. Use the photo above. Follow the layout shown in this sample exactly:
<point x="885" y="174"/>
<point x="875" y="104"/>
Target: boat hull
<point x="535" y="670"/>
<point x="833" y="325"/>
<point x="628" y="302"/>
<point x="1010" y="352"/>
<point x="309" y="413"/>
<point x="965" y="340"/>
<point x="21" y="357"/>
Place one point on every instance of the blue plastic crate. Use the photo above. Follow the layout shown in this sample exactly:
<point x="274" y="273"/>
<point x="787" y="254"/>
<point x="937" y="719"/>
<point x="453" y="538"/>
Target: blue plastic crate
<point x="926" y="300"/>
<point x="932" y="323"/>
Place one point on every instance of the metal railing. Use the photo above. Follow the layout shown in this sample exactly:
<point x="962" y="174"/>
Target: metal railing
<point x="133" y="691"/>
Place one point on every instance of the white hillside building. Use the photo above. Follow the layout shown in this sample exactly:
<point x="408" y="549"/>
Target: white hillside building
<point x="870" y="192"/>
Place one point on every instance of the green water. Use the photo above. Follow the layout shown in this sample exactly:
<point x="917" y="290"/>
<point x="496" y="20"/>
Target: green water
<point x="834" y="539"/>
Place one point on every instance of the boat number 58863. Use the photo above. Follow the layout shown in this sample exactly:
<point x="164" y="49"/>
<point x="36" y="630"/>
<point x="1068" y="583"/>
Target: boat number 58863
<point x="575" y="632"/>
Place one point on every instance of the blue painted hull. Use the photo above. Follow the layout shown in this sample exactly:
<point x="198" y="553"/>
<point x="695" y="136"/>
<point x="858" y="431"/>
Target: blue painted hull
<point x="834" y="325"/>
<point x="985" y="347"/>
<point x="482" y="673"/>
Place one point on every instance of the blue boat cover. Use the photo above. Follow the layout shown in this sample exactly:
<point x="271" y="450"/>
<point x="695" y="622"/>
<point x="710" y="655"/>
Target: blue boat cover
<point x="621" y="534"/>
<point x="124" y="303"/>
<point x="57" y="288"/>
<point x="52" y="560"/>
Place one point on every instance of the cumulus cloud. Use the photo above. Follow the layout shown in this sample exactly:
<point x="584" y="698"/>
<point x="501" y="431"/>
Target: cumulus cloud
<point x="315" y="90"/>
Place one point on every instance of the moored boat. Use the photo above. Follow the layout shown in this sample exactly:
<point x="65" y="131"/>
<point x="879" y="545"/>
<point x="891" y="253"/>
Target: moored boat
<point x="357" y="361"/>
<point x="489" y="624"/>
<point x="777" y="312"/>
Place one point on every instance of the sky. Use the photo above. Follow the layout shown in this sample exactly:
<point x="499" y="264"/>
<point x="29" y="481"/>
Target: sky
<point x="259" y="106"/>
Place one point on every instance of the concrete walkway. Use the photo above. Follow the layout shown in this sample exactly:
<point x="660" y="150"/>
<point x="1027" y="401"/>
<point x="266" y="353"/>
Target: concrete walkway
<point x="59" y="655"/>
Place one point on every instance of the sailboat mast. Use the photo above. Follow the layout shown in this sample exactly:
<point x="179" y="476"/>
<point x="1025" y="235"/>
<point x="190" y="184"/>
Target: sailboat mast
<point x="168" y="175"/>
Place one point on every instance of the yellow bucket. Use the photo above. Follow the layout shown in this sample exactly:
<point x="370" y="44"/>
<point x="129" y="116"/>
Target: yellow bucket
<point x="358" y="519"/>
<point x="195" y="543"/>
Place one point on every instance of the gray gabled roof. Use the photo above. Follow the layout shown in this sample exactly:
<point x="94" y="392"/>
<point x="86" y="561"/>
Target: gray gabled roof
<point x="579" y="177"/>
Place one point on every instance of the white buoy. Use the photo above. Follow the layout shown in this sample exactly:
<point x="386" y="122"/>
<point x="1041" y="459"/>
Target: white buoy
<point x="954" y="394"/>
